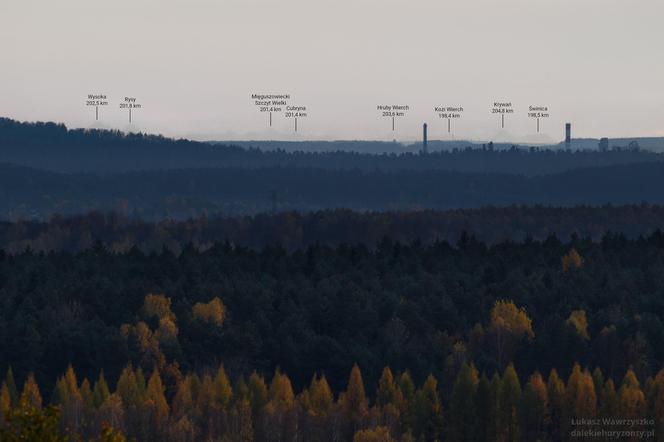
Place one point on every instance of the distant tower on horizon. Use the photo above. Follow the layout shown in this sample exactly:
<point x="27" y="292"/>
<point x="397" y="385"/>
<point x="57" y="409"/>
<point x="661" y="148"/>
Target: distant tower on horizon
<point x="425" y="141"/>
<point x="568" y="134"/>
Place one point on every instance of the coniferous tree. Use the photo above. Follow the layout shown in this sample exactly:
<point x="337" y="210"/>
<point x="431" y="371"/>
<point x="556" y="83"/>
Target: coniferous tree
<point x="483" y="408"/>
<point x="557" y="404"/>
<point x="100" y="391"/>
<point x="534" y="416"/>
<point x="407" y="388"/>
<point x="389" y="401"/>
<point x="462" y="417"/>
<point x="30" y="396"/>
<point x="632" y="402"/>
<point x="353" y="401"/>
<point x="258" y="394"/>
<point x="72" y="405"/>
<point x="656" y="402"/>
<point x="509" y="400"/>
<point x="223" y="389"/>
<point x="428" y="417"/>
<point x="11" y="387"/>
<point x="5" y="402"/>
<point x="608" y="401"/>
<point x="155" y="407"/>
<point x="494" y="431"/>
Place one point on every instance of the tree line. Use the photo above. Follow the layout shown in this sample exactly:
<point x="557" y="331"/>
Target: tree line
<point x="210" y="406"/>
<point x="184" y="193"/>
<point x="119" y="232"/>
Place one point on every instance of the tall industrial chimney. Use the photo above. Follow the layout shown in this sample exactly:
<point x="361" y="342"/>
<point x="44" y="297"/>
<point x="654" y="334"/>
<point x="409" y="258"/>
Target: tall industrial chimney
<point x="568" y="134"/>
<point x="425" y="141"/>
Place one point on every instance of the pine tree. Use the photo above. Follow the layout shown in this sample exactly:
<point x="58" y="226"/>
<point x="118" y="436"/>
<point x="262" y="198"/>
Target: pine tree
<point x="5" y="402"/>
<point x="534" y="415"/>
<point x="586" y="400"/>
<point x="206" y="408"/>
<point x="112" y="413"/>
<point x="463" y="412"/>
<point x="11" y="387"/>
<point x="483" y="408"/>
<point x="245" y="430"/>
<point x="100" y="391"/>
<point x="632" y="402"/>
<point x="556" y="390"/>
<point x="509" y="399"/>
<point x="72" y="406"/>
<point x="494" y="431"/>
<point x="656" y="401"/>
<point x="609" y="405"/>
<point x="183" y="401"/>
<point x="258" y="394"/>
<point x="318" y="399"/>
<point x="354" y="400"/>
<point x="128" y="388"/>
<point x="388" y="391"/>
<point x="130" y="391"/>
<point x="156" y="407"/>
<point x="389" y="401"/>
<point x="30" y="396"/>
<point x="59" y="396"/>
<point x="223" y="389"/>
<point x="407" y="388"/>
<point x="88" y="410"/>
<point x="280" y="417"/>
<point x="428" y="417"/>
<point x="281" y="391"/>
<point x="598" y="379"/>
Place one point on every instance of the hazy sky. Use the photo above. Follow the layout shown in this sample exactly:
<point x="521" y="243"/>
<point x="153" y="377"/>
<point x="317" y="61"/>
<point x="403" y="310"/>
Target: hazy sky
<point x="194" y="64"/>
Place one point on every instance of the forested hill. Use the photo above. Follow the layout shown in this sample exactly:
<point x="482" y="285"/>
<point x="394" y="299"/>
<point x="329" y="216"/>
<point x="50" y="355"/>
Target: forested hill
<point x="297" y="231"/>
<point x="29" y="193"/>
<point x="53" y="147"/>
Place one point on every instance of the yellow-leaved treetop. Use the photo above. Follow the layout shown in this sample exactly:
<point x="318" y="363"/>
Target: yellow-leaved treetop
<point x="151" y="343"/>
<point x="223" y="389"/>
<point x="258" y="394"/>
<point x="580" y="394"/>
<point x="155" y="405"/>
<point x="158" y="306"/>
<point x="579" y="321"/>
<point x="317" y="400"/>
<point x="281" y="391"/>
<point x="510" y="324"/>
<point x="572" y="260"/>
<point x="183" y="401"/>
<point x="556" y="389"/>
<point x="30" y="396"/>
<point x="213" y="312"/>
<point x="354" y="399"/>
<point x="632" y="401"/>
